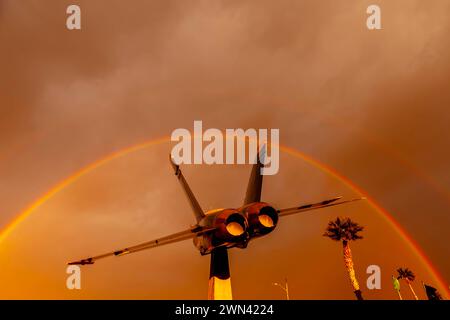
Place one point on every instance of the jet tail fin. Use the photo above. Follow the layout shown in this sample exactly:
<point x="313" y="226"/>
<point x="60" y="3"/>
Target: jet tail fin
<point x="198" y="212"/>
<point x="255" y="181"/>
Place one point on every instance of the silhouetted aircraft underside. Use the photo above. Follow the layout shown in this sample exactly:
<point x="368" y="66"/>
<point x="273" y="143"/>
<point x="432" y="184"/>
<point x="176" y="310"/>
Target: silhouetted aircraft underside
<point x="225" y="228"/>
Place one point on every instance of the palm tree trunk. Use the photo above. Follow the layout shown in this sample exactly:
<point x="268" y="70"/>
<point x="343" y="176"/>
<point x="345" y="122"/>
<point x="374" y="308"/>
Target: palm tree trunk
<point x="412" y="290"/>
<point x="348" y="260"/>
<point x="399" y="294"/>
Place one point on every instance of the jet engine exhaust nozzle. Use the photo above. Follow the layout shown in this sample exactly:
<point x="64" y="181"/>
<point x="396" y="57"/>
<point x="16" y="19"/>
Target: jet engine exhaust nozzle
<point x="235" y="225"/>
<point x="262" y="218"/>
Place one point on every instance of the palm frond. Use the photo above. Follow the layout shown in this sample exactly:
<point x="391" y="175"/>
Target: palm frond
<point x="405" y="273"/>
<point x="343" y="229"/>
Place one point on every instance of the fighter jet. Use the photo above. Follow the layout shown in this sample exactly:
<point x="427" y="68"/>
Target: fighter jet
<point x="218" y="230"/>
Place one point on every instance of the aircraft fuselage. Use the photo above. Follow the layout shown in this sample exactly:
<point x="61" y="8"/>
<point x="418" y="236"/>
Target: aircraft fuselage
<point x="235" y="227"/>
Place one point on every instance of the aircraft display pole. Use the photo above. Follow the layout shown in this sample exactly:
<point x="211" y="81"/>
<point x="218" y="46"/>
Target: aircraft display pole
<point x="219" y="287"/>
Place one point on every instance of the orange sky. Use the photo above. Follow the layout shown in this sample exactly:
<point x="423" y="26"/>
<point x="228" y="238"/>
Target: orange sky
<point x="134" y="198"/>
<point x="372" y="105"/>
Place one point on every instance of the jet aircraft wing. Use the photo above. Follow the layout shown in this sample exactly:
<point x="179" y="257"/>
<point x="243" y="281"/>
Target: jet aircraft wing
<point x="176" y="237"/>
<point x="312" y="206"/>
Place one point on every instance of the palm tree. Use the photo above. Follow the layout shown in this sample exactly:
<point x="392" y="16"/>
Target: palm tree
<point x="345" y="230"/>
<point x="409" y="277"/>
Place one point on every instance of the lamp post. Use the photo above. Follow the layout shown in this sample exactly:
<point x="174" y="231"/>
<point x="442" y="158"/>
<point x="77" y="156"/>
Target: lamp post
<point x="285" y="287"/>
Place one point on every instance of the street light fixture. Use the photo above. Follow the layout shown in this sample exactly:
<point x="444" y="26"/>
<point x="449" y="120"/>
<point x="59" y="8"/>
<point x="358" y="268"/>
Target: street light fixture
<point x="285" y="287"/>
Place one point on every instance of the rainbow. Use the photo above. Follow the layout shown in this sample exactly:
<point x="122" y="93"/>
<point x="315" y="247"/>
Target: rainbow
<point x="317" y="164"/>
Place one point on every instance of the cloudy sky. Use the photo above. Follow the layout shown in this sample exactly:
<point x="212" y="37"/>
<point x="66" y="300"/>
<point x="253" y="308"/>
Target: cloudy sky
<point x="373" y="105"/>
